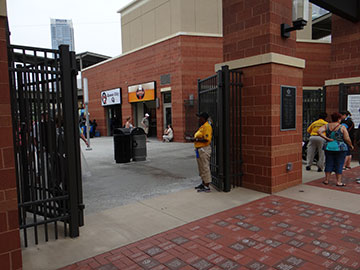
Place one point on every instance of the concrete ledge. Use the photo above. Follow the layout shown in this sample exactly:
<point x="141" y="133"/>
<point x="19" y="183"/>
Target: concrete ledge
<point x="263" y="59"/>
<point x="314" y="41"/>
<point x="311" y="87"/>
<point x="3" y="10"/>
<point x="343" y="80"/>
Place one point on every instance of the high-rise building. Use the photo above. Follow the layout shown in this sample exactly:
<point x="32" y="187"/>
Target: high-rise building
<point x="62" y="32"/>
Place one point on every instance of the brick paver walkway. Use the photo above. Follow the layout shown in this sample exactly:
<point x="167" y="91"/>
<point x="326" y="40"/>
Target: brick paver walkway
<point x="349" y="178"/>
<point x="270" y="233"/>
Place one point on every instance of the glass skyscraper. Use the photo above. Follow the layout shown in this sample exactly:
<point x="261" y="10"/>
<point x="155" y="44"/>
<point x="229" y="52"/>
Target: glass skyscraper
<point x="62" y="32"/>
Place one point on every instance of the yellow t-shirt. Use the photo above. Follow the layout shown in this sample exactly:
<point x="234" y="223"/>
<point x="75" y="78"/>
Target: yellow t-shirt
<point x="314" y="127"/>
<point x="204" y="132"/>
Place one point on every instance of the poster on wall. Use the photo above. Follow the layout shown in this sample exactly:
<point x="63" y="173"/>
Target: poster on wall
<point x="288" y="108"/>
<point x="111" y="97"/>
<point x="141" y="92"/>
<point x="354" y="108"/>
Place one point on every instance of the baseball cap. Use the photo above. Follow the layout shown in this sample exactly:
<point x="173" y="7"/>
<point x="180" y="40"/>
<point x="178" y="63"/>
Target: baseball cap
<point x="147" y="115"/>
<point x="203" y="115"/>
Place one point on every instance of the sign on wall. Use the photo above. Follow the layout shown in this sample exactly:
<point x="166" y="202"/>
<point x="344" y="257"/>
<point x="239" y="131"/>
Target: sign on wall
<point x="288" y="108"/>
<point x="141" y="92"/>
<point x="111" y="97"/>
<point x="354" y="108"/>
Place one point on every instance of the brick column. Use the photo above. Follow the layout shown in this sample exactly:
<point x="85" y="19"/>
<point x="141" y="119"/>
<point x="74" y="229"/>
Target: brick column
<point x="253" y="43"/>
<point x="10" y="250"/>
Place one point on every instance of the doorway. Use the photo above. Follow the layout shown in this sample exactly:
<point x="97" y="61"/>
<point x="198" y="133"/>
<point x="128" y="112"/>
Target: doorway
<point x="167" y="109"/>
<point x="114" y="118"/>
<point x="140" y="109"/>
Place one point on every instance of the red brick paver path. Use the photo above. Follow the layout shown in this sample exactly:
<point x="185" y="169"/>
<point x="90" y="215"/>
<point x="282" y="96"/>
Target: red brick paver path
<point x="349" y="178"/>
<point x="270" y="233"/>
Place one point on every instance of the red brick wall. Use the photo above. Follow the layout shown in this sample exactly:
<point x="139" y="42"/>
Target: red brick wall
<point x="186" y="58"/>
<point x="253" y="27"/>
<point x="10" y="251"/>
<point x="266" y="149"/>
<point x="317" y="57"/>
<point x="345" y="50"/>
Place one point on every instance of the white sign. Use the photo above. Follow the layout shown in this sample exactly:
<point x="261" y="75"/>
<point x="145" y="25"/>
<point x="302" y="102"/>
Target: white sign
<point x="111" y="97"/>
<point x="354" y="108"/>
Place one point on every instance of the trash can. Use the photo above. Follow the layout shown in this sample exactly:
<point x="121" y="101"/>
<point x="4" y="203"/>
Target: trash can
<point x="122" y="145"/>
<point x="138" y="144"/>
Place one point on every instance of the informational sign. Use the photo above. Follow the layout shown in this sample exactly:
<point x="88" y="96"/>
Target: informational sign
<point x="288" y="108"/>
<point x="354" y="108"/>
<point x="141" y="92"/>
<point x="111" y="97"/>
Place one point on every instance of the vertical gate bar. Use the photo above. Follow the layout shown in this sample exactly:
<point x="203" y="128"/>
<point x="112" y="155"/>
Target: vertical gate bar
<point x="220" y="129"/>
<point x="240" y="124"/>
<point x="77" y="140"/>
<point x="232" y="129"/>
<point x="226" y="130"/>
<point x="66" y="86"/>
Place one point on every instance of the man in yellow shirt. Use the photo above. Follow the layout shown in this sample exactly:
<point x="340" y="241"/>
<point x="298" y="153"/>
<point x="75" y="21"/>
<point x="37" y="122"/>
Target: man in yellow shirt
<point x="202" y="143"/>
<point x="316" y="143"/>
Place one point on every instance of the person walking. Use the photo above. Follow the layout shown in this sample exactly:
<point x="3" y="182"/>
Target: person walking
<point x="349" y="124"/>
<point x="145" y="123"/>
<point x="337" y="144"/>
<point x="316" y="143"/>
<point x="202" y="143"/>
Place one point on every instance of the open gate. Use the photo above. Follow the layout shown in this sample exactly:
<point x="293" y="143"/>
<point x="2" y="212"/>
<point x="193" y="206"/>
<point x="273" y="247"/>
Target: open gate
<point x="46" y="141"/>
<point x="220" y="96"/>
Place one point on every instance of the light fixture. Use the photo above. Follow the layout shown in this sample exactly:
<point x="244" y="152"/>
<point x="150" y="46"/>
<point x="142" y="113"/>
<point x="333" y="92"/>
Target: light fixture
<point x="300" y="16"/>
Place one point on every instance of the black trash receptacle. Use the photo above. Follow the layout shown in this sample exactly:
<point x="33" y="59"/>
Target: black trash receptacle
<point x="122" y="145"/>
<point x="138" y="144"/>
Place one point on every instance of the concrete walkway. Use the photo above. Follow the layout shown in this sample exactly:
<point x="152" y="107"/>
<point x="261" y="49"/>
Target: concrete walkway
<point x="115" y="227"/>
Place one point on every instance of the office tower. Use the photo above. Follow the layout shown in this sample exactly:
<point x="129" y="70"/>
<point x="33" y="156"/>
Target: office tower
<point x="62" y="32"/>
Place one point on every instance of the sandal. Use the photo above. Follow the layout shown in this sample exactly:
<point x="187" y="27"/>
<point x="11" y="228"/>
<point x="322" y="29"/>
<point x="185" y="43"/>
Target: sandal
<point x="341" y="185"/>
<point x="325" y="183"/>
<point x="348" y="168"/>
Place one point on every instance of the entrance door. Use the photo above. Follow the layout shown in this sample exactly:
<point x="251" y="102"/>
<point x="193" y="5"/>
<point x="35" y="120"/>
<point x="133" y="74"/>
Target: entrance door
<point x="114" y="117"/>
<point x="167" y="109"/>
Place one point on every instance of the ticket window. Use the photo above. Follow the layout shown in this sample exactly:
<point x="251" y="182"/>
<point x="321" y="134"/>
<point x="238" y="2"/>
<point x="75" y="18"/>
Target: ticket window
<point x="167" y="110"/>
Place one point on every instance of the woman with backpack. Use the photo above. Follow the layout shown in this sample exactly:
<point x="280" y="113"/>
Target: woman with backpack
<point x="336" y="147"/>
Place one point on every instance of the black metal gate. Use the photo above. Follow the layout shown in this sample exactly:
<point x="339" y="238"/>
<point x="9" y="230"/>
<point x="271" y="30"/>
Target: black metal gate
<point x="46" y="141"/>
<point x="345" y="90"/>
<point x="314" y="102"/>
<point x="220" y="97"/>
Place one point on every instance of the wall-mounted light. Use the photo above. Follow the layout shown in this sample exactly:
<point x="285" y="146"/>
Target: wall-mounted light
<point x="300" y="16"/>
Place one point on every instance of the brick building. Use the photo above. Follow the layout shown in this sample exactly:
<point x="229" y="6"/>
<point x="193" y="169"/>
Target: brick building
<point x="192" y="37"/>
<point x="168" y="43"/>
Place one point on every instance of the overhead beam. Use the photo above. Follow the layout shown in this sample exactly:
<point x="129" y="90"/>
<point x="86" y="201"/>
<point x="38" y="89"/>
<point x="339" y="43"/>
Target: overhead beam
<point x="347" y="9"/>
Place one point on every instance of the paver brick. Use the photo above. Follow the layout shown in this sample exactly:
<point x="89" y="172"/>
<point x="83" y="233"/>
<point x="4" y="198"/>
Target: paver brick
<point x="296" y="236"/>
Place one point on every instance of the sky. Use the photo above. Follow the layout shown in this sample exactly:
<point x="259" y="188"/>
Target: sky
<point x="96" y="23"/>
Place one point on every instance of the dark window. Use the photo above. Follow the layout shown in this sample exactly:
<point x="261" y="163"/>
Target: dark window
<point x="165" y="79"/>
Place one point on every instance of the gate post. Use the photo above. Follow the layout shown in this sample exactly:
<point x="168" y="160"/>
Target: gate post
<point x="70" y="135"/>
<point x="226" y="130"/>
<point x="221" y="127"/>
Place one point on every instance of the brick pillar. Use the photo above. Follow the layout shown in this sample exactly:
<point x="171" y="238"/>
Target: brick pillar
<point x="10" y="250"/>
<point x="253" y="43"/>
<point x="345" y="59"/>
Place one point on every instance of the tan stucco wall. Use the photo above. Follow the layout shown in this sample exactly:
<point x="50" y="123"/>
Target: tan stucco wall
<point x="3" y="8"/>
<point x="306" y="33"/>
<point x="146" y="21"/>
